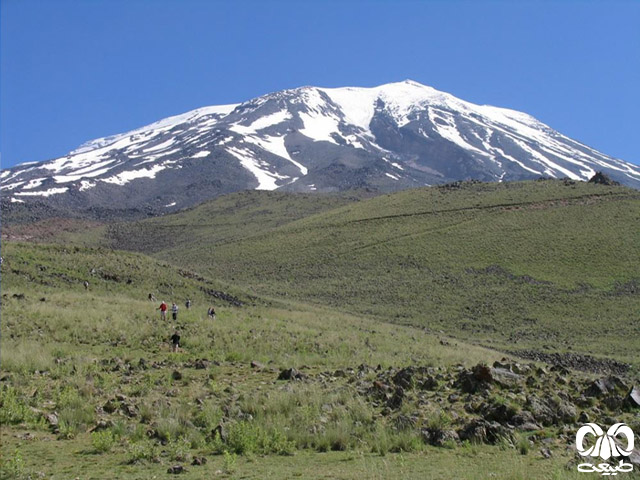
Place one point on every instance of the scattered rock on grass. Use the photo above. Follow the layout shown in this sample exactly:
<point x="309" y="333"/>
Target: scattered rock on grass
<point x="291" y="374"/>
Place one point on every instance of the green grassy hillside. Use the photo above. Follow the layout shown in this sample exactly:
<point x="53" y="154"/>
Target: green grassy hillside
<point x="90" y="389"/>
<point x="547" y="265"/>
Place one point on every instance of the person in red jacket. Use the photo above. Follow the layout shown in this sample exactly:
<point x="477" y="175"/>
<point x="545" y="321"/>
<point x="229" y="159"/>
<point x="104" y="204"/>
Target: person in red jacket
<point x="163" y="311"/>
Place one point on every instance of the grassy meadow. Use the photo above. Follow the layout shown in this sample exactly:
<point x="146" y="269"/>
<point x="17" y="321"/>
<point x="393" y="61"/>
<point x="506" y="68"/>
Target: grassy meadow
<point x="545" y="265"/>
<point x="383" y="306"/>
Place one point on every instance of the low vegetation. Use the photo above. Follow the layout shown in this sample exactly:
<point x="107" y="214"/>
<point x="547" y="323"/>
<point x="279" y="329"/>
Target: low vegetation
<point x="347" y="343"/>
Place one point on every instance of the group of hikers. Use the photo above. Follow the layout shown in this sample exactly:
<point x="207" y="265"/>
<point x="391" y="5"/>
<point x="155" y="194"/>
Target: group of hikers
<point x="175" y="338"/>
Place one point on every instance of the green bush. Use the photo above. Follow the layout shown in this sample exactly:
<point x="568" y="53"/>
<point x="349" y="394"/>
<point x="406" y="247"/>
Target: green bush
<point x="103" y="441"/>
<point x="13" y="409"/>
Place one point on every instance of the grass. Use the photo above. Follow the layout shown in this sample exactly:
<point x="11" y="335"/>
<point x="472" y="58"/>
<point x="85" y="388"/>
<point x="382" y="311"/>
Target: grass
<point x="515" y="266"/>
<point x="347" y="291"/>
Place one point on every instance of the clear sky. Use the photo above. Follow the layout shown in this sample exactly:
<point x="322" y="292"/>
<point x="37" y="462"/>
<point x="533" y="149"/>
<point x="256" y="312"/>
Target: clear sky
<point x="72" y="71"/>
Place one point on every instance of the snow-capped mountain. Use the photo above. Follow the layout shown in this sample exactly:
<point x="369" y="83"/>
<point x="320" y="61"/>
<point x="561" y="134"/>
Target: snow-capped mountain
<point x="390" y="137"/>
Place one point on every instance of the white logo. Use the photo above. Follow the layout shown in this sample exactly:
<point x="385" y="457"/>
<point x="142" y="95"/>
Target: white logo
<point x="605" y="448"/>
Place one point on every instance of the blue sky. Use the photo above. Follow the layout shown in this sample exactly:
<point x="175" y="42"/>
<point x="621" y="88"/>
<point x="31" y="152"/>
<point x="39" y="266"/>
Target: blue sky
<point x="72" y="71"/>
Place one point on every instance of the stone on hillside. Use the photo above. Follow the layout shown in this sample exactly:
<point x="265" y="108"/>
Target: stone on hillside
<point x="101" y="425"/>
<point x="52" y="420"/>
<point x="201" y="364"/>
<point x="129" y="410"/>
<point x="219" y="431"/>
<point x="291" y="374"/>
<point x="257" y="365"/>
<point x="199" y="461"/>
<point x="176" y="469"/>
<point x="605" y="386"/>
<point x="176" y="375"/>
<point x="633" y="397"/>
<point x="479" y="378"/>
<point x="504" y="377"/>
<point x="601" y="178"/>
<point x="404" y="378"/>
<point x="396" y="399"/>
<point x="429" y="383"/>
<point x="110" y="406"/>
<point x="540" y="410"/>
<point x="438" y="437"/>
<point x="481" y="431"/>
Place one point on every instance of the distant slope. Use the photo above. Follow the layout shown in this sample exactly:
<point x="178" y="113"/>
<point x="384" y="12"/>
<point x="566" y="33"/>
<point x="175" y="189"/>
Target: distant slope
<point x="227" y="219"/>
<point x="529" y="265"/>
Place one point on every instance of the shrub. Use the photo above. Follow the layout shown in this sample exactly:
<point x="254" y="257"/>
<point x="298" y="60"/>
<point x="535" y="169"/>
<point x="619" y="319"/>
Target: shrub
<point x="142" y="452"/>
<point x="103" y="441"/>
<point x="14" y="409"/>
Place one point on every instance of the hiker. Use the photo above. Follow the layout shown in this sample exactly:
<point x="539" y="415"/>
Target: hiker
<point x="211" y="313"/>
<point x="174" y="311"/>
<point x="86" y="285"/>
<point x="163" y="310"/>
<point x="188" y="304"/>
<point x="175" y="341"/>
<point x="152" y="297"/>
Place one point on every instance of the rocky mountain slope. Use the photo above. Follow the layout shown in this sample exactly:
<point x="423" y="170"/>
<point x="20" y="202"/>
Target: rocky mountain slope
<point x="388" y="138"/>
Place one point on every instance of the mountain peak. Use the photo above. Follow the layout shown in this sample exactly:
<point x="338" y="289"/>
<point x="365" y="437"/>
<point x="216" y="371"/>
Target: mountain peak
<point x="390" y="137"/>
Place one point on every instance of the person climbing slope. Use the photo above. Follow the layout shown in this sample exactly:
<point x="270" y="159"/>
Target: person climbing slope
<point x="163" y="310"/>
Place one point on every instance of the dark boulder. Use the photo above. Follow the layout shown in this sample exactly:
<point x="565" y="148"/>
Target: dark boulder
<point x="601" y="178"/>
<point x="291" y="374"/>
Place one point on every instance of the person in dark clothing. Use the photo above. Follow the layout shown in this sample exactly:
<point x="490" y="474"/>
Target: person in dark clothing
<point x="188" y="304"/>
<point x="175" y="341"/>
<point x="211" y="313"/>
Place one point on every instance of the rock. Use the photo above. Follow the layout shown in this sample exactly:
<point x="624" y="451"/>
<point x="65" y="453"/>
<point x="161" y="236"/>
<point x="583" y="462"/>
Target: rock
<point x="605" y="386"/>
<point x="199" y="461"/>
<point x="504" y="377"/>
<point x="545" y="452"/>
<point x="291" y="374"/>
<point x="478" y="379"/>
<point x="120" y="397"/>
<point x="176" y="375"/>
<point x="404" y="422"/>
<point x="429" y="383"/>
<point x="110" y="406"/>
<point x="176" y="469"/>
<point x="564" y="411"/>
<point x="101" y="425"/>
<point x="220" y="431"/>
<point x="500" y="413"/>
<point x="257" y="365"/>
<point x="201" y="364"/>
<point x="404" y="378"/>
<point x="584" y="418"/>
<point x="632" y="400"/>
<point x="396" y="399"/>
<point x="481" y="431"/>
<point x="438" y="437"/>
<point x="601" y="178"/>
<point x="52" y="420"/>
<point x="540" y="410"/>
<point x="129" y="410"/>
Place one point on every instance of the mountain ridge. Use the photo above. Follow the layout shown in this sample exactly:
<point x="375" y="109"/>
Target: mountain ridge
<point x="386" y="138"/>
